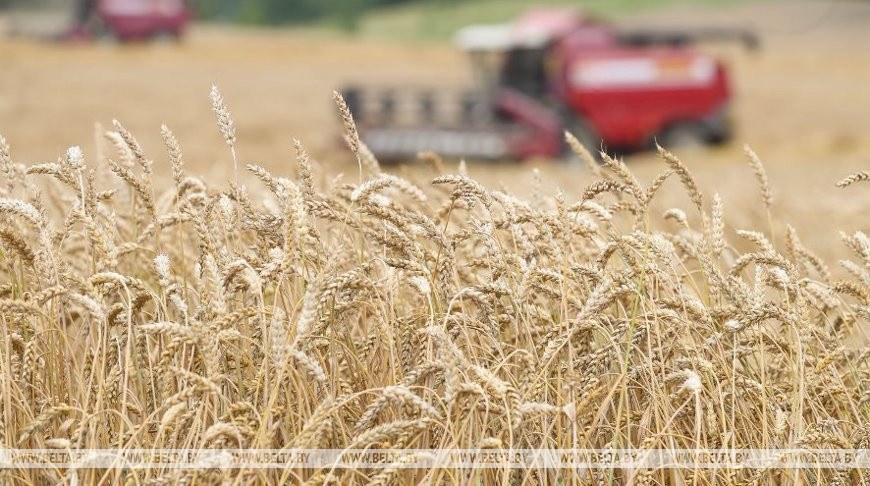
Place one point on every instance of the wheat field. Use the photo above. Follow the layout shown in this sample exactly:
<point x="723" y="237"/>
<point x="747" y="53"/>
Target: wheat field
<point x="366" y="310"/>
<point x="800" y="102"/>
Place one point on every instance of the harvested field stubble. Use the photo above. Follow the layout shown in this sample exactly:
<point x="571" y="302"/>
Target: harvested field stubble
<point x="389" y="313"/>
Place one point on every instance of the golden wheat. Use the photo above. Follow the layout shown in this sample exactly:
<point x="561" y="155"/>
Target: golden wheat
<point x="397" y="313"/>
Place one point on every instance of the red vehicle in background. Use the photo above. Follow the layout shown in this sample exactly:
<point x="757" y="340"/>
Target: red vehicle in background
<point x="130" y="20"/>
<point x="556" y="70"/>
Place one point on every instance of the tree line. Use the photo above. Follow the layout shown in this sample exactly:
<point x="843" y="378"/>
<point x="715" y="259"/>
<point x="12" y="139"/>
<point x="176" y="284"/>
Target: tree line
<point x="277" y="12"/>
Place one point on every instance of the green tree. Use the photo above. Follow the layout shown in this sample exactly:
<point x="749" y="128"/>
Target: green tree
<point x="345" y="13"/>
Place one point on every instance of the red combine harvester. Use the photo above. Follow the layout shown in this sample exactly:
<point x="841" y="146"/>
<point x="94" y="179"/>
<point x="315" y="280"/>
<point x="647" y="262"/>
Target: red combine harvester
<point x="129" y="20"/>
<point x="551" y="71"/>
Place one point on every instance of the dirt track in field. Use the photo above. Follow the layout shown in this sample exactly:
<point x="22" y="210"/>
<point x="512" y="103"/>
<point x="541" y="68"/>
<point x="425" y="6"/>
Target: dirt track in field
<point x="802" y="102"/>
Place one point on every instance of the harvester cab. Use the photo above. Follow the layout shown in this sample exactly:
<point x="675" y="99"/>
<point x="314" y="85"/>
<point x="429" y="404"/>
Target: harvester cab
<point x="554" y="70"/>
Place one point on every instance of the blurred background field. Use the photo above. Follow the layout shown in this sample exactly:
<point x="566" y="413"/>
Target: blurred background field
<point x="801" y="101"/>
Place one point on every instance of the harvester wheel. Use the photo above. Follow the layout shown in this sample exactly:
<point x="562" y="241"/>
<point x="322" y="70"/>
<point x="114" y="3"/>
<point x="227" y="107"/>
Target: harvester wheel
<point x="164" y="37"/>
<point x="106" y="34"/>
<point x="683" y="135"/>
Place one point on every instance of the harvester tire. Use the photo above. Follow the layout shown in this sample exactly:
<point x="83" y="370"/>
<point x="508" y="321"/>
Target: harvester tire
<point x="683" y="135"/>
